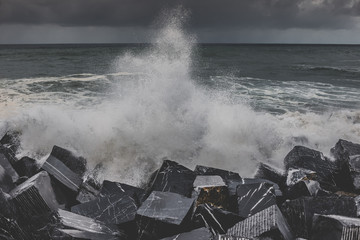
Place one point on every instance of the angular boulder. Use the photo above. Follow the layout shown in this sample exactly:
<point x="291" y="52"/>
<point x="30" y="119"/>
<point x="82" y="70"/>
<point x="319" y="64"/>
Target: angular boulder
<point x="171" y="177"/>
<point x="344" y="149"/>
<point x="113" y="209"/>
<point x="35" y="196"/>
<point x="7" y="165"/>
<point x="10" y="230"/>
<point x="198" y="234"/>
<point x="226" y="175"/>
<point x="267" y="223"/>
<point x="295" y="175"/>
<point x="6" y="182"/>
<point x="306" y="188"/>
<point x="9" y="145"/>
<point x="75" y="163"/>
<point x="335" y="227"/>
<point x="270" y="173"/>
<point x="253" y="198"/>
<point x="164" y="214"/>
<point x="26" y="167"/>
<point x="216" y="219"/>
<point x="87" y="227"/>
<point x="299" y="212"/>
<point x="110" y="188"/>
<point x="306" y="158"/>
<point x="62" y="173"/>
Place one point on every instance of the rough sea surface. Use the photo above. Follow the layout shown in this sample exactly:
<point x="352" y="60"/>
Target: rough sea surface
<point x="130" y="106"/>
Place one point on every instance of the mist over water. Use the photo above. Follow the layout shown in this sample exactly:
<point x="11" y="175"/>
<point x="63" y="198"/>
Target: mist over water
<point x="158" y="111"/>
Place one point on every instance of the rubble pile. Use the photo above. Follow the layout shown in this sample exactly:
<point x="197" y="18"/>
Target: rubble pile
<point x="312" y="198"/>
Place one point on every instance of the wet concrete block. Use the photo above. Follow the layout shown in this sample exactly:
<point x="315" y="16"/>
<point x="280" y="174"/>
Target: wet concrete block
<point x="334" y="227"/>
<point x="7" y="165"/>
<point x="198" y="234"/>
<point x="6" y="182"/>
<point x="306" y="188"/>
<point x="79" y="234"/>
<point x="9" y="145"/>
<point x="295" y="175"/>
<point x="270" y="173"/>
<point x="253" y="198"/>
<point x="208" y="181"/>
<point x="299" y="212"/>
<point x="96" y="228"/>
<point x="164" y="214"/>
<point x="26" y="167"/>
<point x="115" y="209"/>
<point x="35" y="196"/>
<point x="266" y="223"/>
<point x="7" y="207"/>
<point x="10" y="230"/>
<point x="74" y="163"/>
<point x="110" y="188"/>
<point x="306" y="158"/>
<point x="62" y="173"/>
<point x="277" y="189"/>
<point x="226" y="175"/>
<point x="216" y="219"/>
<point x="171" y="177"/>
<point x="87" y="193"/>
<point x="344" y="149"/>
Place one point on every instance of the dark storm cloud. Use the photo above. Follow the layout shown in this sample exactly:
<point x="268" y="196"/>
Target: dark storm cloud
<point x="204" y="13"/>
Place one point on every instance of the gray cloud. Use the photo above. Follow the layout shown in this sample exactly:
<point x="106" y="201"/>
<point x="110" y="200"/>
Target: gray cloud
<point x="279" y="14"/>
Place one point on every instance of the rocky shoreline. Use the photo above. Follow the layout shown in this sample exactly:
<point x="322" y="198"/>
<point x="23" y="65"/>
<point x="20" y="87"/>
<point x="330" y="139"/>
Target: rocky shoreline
<point x="311" y="198"/>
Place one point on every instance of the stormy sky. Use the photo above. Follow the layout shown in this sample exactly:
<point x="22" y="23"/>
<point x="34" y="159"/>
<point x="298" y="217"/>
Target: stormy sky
<point x="232" y="21"/>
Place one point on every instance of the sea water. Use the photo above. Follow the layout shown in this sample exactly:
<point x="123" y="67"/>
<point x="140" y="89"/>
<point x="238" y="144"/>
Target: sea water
<point x="129" y="106"/>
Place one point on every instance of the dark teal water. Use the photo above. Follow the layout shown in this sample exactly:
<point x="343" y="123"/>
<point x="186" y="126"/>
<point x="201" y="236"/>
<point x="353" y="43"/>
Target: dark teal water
<point x="274" y="78"/>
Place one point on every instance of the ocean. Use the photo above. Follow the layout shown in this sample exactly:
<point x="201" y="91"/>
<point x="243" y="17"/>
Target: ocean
<point x="128" y="106"/>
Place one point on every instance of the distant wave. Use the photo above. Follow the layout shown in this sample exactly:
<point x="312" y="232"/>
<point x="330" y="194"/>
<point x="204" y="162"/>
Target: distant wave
<point x="328" y="68"/>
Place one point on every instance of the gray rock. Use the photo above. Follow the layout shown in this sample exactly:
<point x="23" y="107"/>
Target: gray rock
<point x="115" y="209"/>
<point x="87" y="227"/>
<point x="161" y="205"/>
<point x="207" y="181"/>
<point x="10" y="230"/>
<point x="334" y="227"/>
<point x="110" y="188"/>
<point x="226" y="175"/>
<point x="344" y="149"/>
<point x="62" y="173"/>
<point x="79" y="234"/>
<point x="35" y="196"/>
<point x="26" y="167"/>
<point x="306" y="188"/>
<point x="6" y="182"/>
<point x="6" y="164"/>
<point x="253" y="198"/>
<point x="197" y="234"/>
<point x="171" y="177"/>
<point x="270" y="173"/>
<point x="74" y="163"/>
<point x="164" y="214"/>
<point x="306" y="158"/>
<point x="299" y="212"/>
<point x="216" y="219"/>
<point x="269" y="222"/>
<point x="295" y="175"/>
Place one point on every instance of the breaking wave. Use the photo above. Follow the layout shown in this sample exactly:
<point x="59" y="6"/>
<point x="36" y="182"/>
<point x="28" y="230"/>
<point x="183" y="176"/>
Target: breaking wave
<point x="161" y="113"/>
